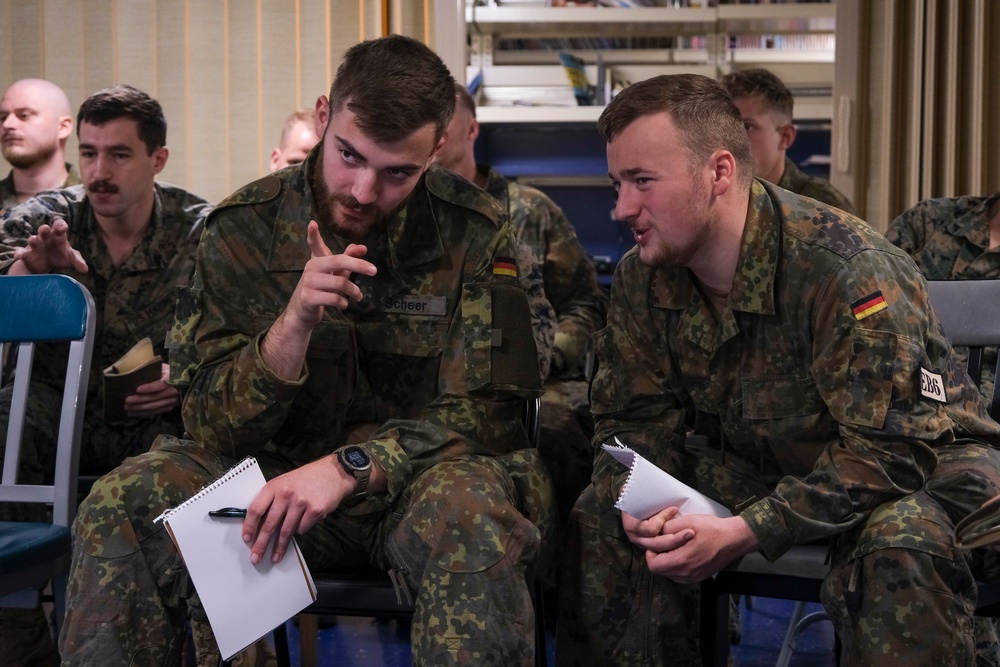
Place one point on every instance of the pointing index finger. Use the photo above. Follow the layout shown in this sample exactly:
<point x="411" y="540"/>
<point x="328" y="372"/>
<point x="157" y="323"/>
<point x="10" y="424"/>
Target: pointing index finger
<point x="317" y="246"/>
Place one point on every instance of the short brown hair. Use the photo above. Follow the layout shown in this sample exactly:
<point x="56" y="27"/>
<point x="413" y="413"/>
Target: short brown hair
<point x="759" y="81"/>
<point x="465" y="99"/>
<point x="394" y="85"/>
<point x="123" y="101"/>
<point x="699" y="107"/>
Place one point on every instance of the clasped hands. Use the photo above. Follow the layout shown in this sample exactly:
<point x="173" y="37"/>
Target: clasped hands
<point x="689" y="548"/>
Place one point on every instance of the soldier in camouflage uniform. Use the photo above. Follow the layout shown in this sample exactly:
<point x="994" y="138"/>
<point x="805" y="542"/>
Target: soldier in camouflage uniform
<point x="571" y="286"/>
<point x="954" y="239"/>
<point x="35" y="122"/>
<point x="799" y="345"/>
<point x="398" y="323"/>
<point x="133" y="281"/>
<point x="766" y="106"/>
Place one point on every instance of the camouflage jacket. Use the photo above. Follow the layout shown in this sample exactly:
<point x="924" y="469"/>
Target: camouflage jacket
<point x="433" y="364"/>
<point x="807" y="387"/>
<point x="133" y="300"/>
<point x="571" y="284"/>
<point x="795" y="180"/>
<point x="949" y="239"/>
<point x="8" y="195"/>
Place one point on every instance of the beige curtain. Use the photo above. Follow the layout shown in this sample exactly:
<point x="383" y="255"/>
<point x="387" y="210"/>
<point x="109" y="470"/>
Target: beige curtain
<point x="227" y="72"/>
<point x="916" y="102"/>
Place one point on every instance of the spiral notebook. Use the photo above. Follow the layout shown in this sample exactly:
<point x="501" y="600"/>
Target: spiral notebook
<point x="243" y="601"/>
<point x="650" y="489"/>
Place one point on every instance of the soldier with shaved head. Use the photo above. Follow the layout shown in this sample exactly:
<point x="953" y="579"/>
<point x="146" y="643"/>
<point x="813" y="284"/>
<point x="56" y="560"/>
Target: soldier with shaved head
<point x="35" y="122"/>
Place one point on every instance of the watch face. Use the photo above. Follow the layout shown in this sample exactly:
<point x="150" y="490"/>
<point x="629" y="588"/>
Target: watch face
<point x="356" y="457"/>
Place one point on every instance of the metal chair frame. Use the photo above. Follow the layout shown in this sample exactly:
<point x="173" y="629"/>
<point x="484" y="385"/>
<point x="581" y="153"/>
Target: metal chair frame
<point x="36" y="309"/>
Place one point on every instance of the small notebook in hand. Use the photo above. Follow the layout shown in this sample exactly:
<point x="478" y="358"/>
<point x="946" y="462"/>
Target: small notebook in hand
<point x="980" y="527"/>
<point x="649" y="489"/>
<point x="243" y="601"/>
<point x="139" y="366"/>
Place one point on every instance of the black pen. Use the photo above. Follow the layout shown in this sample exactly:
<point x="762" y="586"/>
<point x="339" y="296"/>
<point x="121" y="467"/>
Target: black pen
<point x="229" y="512"/>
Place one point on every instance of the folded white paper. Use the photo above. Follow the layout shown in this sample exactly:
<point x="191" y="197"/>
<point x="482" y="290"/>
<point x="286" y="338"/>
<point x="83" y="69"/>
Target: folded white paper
<point x="649" y="489"/>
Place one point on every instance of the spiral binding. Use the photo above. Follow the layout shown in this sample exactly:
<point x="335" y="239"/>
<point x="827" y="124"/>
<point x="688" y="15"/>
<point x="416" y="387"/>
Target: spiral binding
<point x="243" y="465"/>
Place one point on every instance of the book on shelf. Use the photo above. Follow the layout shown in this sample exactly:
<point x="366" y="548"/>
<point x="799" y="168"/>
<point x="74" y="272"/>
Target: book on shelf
<point x="140" y="365"/>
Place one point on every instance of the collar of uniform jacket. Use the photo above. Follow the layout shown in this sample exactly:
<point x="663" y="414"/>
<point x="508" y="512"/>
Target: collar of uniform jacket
<point x="753" y="284"/>
<point x="973" y="223"/>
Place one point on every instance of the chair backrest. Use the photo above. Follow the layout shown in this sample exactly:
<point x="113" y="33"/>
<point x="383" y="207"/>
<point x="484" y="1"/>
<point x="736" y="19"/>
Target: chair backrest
<point x="47" y="308"/>
<point x="969" y="311"/>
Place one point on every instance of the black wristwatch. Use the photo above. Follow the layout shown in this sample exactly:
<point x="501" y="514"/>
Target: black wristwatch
<point x="358" y="464"/>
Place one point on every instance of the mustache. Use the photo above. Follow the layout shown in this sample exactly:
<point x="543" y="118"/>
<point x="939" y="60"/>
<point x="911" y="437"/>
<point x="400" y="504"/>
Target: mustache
<point x="103" y="187"/>
<point x="351" y="202"/>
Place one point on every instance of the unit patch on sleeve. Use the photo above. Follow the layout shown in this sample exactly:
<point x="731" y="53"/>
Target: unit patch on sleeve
<point x="504" y="266"/>
<point x="869" y="305"/>
<point x="932" y="386"/>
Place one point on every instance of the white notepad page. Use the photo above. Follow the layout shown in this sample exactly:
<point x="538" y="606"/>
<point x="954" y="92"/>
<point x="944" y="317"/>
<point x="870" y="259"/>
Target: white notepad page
<point x="243" y="601"/>
<point x="650" y="489"/>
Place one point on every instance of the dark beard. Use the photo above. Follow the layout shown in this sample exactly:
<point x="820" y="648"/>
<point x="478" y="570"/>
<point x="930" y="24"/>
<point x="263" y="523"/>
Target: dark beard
<point x="27" y="160"/>
<point x="323" y="210"/>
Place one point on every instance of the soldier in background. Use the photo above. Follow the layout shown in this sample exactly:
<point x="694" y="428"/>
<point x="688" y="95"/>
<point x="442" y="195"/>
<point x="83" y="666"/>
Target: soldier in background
<point x="954" y="238"/>
<point x="359" y="324"/>
<point x="298" y="136"/>
<point x="800" y="345"/>
<point x="766" y="106"/>
<point x="131" y="241"/>
<point x="571" y="286"/>
<point x="35" y="122"/>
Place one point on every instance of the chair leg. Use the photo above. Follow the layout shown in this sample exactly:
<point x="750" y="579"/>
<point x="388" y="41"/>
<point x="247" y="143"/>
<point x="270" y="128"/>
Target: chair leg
<point x="281" y="645"/>
<point x="714" y="626"/>
<point x="541" y="656"/>
<point x="797" y="624"/>
<point x="308" y="639"/>
<point x="788" y="643"/>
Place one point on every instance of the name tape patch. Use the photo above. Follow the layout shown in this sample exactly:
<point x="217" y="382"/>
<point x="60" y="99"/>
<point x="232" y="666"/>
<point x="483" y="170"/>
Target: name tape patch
<point x="932" y="386"/>
<point x="416" y="305"/>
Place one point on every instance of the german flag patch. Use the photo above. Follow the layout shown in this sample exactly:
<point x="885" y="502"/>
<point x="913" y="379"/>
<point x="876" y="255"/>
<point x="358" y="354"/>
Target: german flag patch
<point x="504" y="266"/>
<point x="869" y="305"/>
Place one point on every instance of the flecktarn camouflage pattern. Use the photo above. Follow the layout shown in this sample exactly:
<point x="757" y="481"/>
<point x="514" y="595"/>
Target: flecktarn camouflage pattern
<point x="810" y="421"/>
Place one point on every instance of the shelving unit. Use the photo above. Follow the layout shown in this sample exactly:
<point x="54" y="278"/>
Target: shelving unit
<point x="533" y="130"/>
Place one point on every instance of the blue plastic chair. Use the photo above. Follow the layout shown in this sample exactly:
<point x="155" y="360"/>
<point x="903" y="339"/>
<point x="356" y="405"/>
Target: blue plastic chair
<point x="36" y="309"/>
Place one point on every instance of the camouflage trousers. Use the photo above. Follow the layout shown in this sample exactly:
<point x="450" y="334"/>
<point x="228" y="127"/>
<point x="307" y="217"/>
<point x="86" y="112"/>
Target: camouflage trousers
<point x="456" y="537"/>
<point x="567" y="429"/>
<point x="899" y="589"/>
